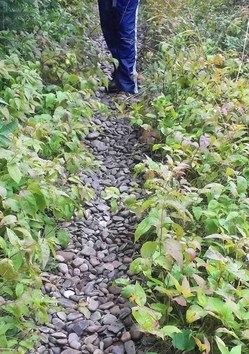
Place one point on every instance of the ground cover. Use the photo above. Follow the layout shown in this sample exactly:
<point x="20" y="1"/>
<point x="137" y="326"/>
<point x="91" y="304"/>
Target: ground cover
<point x="194" y="230"/>
<point x="45" y="105"/>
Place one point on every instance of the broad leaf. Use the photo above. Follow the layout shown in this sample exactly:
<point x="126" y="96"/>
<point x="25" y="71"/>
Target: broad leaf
<point x="14" y="172"/>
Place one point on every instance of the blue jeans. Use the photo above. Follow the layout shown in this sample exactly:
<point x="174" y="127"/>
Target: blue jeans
<point x="118" y="20"/>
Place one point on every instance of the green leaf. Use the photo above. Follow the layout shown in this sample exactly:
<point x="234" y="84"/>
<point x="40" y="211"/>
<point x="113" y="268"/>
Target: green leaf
<point x="3" y="192"/>
<point x="13" y="239"/>
<point x="63" y="238"/>
<point x="241" y="185"/>
<point x="19" y="289"/>
<point x="28" y="203"/>
<point x="221" y="345"/>
<point x="7" y="270"/>
<point x="8" y="128"/>
<point x="197" y="211"/>
<point x="139" y="296"/>
<point x="128" y="291"/>
<point x="14" y="172"/>
<point x="148" y="249"/>
<point x="4" y="142"/>
<point x="169" y="330"/>
<point x="143" y="227"/>
<point x="194" y="313"/>
<point x="236" y="350"/>
<point x="114" y="205"/>
<point x="9" y="220"/>
<point x="111" y="192"/>
<point x="50" y="99"/>
<point x="135" y="266"/>
<point x="146" y="318"/>
<point x="45" y="252"/>
<point x="183" y="341"/>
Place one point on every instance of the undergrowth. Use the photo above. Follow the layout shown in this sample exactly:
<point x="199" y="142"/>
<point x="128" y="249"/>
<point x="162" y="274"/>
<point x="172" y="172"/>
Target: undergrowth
<point x="47" y="81"/>
<point x="195" y="220"/>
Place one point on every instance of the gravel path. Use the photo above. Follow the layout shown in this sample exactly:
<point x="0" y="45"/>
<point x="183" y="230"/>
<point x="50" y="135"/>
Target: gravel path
<point x="93" y="317"/>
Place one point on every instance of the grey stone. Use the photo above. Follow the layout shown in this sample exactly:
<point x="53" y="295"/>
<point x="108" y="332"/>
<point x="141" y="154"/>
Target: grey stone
<point x="93" y="135"/>
<point x="84" y="267"/>
<point x="42" y="349"/>
<point x="91" y="339"/>
<point x="115" y="327"/>
<point x="125" y="337"/>
<point x="88" y="251"/>
<point x="98" y="351"/>
<point x="80" y="326"/>
<point x="130" y="347"/>
<point x="114" y="290"/>
<point x="66" y="302"/>
<point x="94" y="329"/>
<point x="68" y="256"/>
<point x="61" y="315"/>
<point x="107" y="342"/>
<point x="99" y="145"/>
<point x="59" y="335"/>
<point x="61" y="341"/>
<point x="125" y="312"/>
<point x="77" y="262"/>
<point x="96" y="316"/>
<point x="92" y="304"/>
<point x="91" y="348"/>
<point x="106" y="305"/>
<point x="63" y="268"/>
<point x="118" y="349"/>
<point x="74" y="316"/>
<point x="135" y="333"/>
<point x="75" y="344"/>
<point x="68" y="293"/>
<point x="71" y="351"/>
<point x="73" y="337"/>
<point x="108" y="319"/>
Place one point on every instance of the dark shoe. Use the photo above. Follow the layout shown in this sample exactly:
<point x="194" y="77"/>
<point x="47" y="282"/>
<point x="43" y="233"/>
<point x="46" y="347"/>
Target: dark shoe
<point x="112" y="87"/>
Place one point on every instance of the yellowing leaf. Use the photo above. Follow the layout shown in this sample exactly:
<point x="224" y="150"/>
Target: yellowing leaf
<point x="174" y="249"/>
<point x="194" y="313"/>
<point x="7" y="270"/>
<point x="146" y="318"/>
<point x="186" y="290"/>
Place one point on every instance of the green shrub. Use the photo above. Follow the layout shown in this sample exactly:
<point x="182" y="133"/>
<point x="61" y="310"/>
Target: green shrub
<point x="195" y="222"/>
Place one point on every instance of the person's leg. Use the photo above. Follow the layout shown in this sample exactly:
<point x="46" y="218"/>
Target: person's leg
<point x="108" y="24"/>
<point x="126" y="75"/>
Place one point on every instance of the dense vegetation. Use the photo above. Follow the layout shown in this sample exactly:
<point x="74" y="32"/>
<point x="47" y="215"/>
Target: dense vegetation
<point x="195" y="226"/>
<point x="46" y="101"/>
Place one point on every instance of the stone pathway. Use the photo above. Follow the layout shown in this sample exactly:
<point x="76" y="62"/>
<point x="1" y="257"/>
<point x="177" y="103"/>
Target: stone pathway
<point x="93" y="317"/>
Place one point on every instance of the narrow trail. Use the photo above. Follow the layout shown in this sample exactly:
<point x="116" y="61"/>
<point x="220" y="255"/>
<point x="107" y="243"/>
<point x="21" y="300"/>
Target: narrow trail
<point x="93" y="317"/>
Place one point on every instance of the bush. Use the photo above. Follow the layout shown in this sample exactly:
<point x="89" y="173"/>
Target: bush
<point x="194" y="258"/>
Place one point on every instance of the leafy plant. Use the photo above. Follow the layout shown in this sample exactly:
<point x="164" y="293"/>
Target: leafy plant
<point x="47" y="100"/>
<point x="194" y="227"/>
